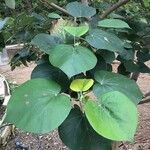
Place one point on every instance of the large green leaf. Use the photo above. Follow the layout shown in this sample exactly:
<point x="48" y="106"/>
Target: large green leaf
<point x="113" y="23"/>
<point x="113" y="116"/>
<point x="108" y="81"/>
<point x="77" y="9"/>
<point x="10" y="3"/>
<point x="3" y="22"/>
<point x="77" y="31"/>
<point x="45" y="42"/>
<point x="103" y="40"/>
<point x="77" y="134"/>
<point x="72" y="60"/>
<point x="36" y="106"/>
<point x="48" y="71"/>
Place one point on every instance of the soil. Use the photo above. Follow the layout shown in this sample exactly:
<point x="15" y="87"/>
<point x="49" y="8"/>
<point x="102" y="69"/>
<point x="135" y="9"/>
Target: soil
<point x="51" y="141"/>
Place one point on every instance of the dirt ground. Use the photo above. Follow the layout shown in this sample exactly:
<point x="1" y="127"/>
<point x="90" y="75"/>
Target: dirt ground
<point x="51" y="141"/>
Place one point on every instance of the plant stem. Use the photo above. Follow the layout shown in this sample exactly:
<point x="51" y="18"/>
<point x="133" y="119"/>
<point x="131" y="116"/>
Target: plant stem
<point x="53" y="5"/>
<point x="113" y="8"/>
<point x="146" y="99"/>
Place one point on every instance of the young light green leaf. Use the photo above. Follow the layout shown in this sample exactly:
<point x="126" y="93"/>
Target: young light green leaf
<point x="72" y="60"/>
<point x="113" y="116"/>
<point x="77" y="9"/>
<point x="113" y="23"/>
<point x="81" y="85"/>
<point x="108" y="81"/>
<point x="54" y="15"/>
<point x="10" y="3"/>
<point x="36" y="106"/>
<point x="77" y="31"/>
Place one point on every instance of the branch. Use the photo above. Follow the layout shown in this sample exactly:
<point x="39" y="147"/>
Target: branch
<point x="147" y="94"/>
<point x="114" y="7"/>
<point x="59" y="8"/>
<point x="146" y="99"/>
<point x="53" y="5"/>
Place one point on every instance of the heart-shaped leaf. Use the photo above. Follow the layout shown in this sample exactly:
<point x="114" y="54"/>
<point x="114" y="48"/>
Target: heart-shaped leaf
<point x="77" y="9"/>
<point x="113" y="23"/>
<point x="77" y="31"/>
<point x="77" y="133"/>
<point x="103" y="40"/>
<point x="81" y="85"/>
<point x="36" y="106"/>
<point x="45" y="42"/>
<point x="72" y="60"/>
<point x="113" y="116"/>
<point x="108" y="81"/>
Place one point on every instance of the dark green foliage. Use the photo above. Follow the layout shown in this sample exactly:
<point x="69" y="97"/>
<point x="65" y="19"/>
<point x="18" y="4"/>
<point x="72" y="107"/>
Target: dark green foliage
<point x="76" y="47"/>
<point x="77" y="133"/>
